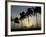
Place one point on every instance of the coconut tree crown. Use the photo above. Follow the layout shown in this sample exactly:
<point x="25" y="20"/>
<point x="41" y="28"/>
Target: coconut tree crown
<point x="16" y="20"/>
<point x="29" y="12"/>
<point x="22" y="15"/>
<point x="38" y="9"/>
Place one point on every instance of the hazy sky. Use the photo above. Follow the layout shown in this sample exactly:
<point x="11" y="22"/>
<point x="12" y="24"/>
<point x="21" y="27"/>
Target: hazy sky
<point x="15" y="10"/>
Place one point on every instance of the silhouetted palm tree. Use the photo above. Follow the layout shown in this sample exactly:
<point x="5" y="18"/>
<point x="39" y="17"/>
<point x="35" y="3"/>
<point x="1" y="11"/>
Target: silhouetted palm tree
<point x="11" y="19"/>
<point x="16" y="20"/>
<point x="29" y="13"/>
<point x="37" y="10"/>
<point x="22" y="16"/>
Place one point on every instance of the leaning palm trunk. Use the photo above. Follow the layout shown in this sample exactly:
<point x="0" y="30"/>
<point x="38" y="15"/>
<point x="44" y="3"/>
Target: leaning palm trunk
<point x="28" y="20"/>
<point x="36" y="20"/>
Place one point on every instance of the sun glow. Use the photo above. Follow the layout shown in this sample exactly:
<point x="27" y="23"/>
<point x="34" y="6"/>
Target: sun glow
<point x="27" y="24"/>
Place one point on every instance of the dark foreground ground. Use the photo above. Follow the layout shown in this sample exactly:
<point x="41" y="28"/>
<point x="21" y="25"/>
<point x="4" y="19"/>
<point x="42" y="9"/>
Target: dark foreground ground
<point x="25" y="29"/>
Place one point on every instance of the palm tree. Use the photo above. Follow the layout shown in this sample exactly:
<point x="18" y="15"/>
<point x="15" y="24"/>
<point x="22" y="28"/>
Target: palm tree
<point x="29" y="12"/>
<point x="22" y="16"/>
<point x="11" y="18"/>
<point x="16" y="20"/>
<point x="37" y="10"/>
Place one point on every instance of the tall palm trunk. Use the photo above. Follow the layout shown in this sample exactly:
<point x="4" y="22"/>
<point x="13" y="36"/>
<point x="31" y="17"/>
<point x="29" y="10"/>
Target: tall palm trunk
<point x="28" y="20"/>
<point x="14" y="25"/>
<point x="21" y="24"/>
<point x="36" y="20"/>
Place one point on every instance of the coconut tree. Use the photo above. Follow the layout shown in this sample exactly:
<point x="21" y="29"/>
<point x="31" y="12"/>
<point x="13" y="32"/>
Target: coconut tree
<point x="29" y="13"/>
<point x="22" y="16"/>
<point x="16" y="20"/>
<point x="37" y="10"/>
<point x="11" y="19"/>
